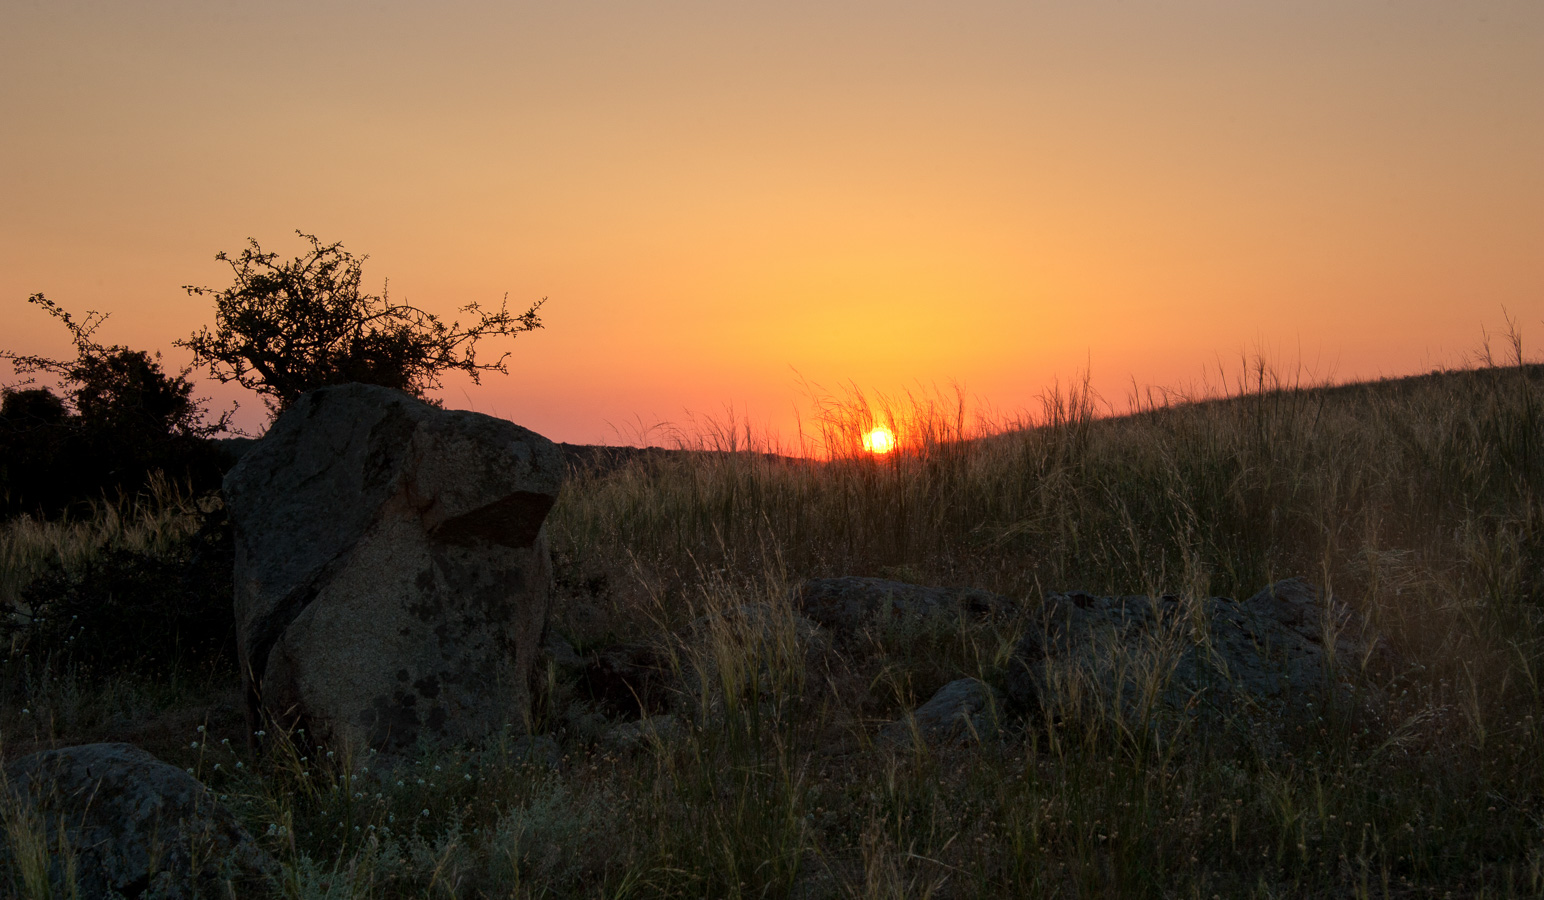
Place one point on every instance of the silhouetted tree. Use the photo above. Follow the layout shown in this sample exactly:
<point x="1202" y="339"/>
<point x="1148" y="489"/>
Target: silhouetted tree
<point x="31" y="407"/>
<point x="283" y="328"/>
<point x="115" y="388"/>
<point x="121" y="418"/>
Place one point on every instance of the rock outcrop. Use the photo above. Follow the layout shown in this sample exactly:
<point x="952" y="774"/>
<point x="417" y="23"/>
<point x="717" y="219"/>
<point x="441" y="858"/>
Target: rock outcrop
<point x="847" y="604"/>
<point x="131" y="825"/>
<point x="392" y="576"/>
<point x="1277" y="655"/>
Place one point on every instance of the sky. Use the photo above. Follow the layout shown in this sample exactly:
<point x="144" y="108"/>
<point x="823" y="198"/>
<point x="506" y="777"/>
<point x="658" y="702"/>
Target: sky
<point x="737" y="209"/>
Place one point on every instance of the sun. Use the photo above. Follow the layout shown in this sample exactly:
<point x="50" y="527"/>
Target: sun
<point x="879" y="441"/>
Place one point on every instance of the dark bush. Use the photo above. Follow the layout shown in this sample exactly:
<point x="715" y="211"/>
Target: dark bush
<point x="32" y="407"/>
<point x="129" y="611"/>
<point x="54" y="463"/>
<point x="120" y="420"/>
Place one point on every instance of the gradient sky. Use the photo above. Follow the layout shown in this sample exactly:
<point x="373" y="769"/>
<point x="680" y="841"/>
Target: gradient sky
<point x="726" y="202"/>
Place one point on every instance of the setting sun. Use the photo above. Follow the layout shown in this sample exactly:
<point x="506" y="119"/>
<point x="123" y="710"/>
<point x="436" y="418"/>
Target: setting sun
<point x="880" y="440"/>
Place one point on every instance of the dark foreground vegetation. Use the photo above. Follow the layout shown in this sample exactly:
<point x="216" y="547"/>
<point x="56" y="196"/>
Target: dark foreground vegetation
<point x="753" y="767"/>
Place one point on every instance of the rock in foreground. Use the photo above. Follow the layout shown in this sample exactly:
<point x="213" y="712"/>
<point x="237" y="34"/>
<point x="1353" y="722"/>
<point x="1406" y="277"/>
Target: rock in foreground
<point x="964" y="711"/>
<point x="391" y="569"/>
<point x="846" y="604"/>
<point x="1280" y="654"/>
<point x="132" y="826"/>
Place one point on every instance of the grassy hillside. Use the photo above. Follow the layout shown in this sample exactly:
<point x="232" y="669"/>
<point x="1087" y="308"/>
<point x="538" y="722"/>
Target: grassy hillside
<point x="758" y="772"/>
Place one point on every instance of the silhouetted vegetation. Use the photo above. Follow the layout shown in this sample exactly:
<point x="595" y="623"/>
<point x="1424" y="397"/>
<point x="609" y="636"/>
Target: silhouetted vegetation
<point x="121" y="419"/>
<point x="140" y="610"/>
<point x="284" y="328"/>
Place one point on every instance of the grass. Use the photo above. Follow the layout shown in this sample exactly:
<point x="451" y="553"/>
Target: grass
<point x="150" y="523"/>
<point x="1416" y="501"/>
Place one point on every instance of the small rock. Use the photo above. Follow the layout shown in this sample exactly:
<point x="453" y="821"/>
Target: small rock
<point x="846" y="604"/>
<point x="629" y="680"/>
<point x="1165" y="660"/>
<point x="963" y="711"/>
<point x="642" y="733"/>
<point x="136" y="826"/>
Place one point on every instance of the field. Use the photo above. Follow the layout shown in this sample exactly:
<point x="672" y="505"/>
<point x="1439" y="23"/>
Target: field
<point x="753" y="766"/>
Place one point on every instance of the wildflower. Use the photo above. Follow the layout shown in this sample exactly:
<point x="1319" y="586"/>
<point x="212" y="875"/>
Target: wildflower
<point x="424" y="813"/>
<point x="194" y="745"/>
<point x="201" y="729"/>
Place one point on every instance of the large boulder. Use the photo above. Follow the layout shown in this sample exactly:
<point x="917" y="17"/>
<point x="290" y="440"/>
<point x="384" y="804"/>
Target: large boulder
<point x="119" y="822"/>
<point x="1151" y="663"/>
<point x="392" y="575"/>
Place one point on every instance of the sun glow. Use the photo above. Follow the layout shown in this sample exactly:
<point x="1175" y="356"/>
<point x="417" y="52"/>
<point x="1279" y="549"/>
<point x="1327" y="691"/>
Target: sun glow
<point x="879" y="441"/>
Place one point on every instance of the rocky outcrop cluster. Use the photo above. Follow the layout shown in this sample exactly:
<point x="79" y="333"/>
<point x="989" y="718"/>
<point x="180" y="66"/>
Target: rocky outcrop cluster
<point x="1137" y="663"/>
<point x="1278" y="655"/>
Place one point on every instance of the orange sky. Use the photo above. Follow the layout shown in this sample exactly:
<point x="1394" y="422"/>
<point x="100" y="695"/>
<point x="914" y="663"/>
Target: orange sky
<point x="722" y="200"/>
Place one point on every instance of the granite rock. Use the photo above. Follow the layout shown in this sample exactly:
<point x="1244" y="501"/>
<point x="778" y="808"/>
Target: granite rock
<point x="135" y="826"/>
<point x="392" y="574"/>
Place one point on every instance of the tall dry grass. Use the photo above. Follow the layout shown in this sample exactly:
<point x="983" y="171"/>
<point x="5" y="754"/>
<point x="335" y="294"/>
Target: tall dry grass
<point x="45" y="698"/>
<point x="1356" y="485"/>
<point x="1415" y="501"/>
<point x="150" y="522"/>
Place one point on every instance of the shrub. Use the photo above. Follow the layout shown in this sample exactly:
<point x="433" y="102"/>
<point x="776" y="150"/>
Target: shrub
<point x="132" y="609"/>
<point x="122" y="418"/>
<point x="284" y="328"/>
